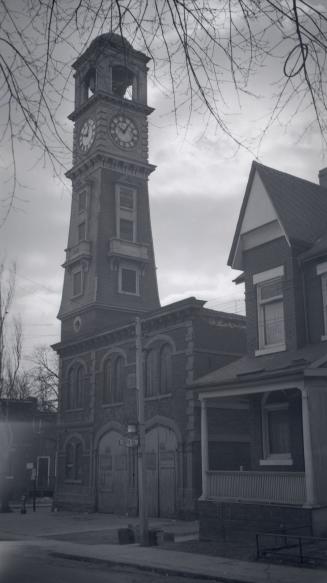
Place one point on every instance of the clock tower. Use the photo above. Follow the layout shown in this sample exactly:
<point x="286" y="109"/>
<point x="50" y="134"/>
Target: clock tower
<point x="110" y="273"/>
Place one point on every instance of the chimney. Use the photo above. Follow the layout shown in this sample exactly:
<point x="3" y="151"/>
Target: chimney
<point x="323" y="177"/>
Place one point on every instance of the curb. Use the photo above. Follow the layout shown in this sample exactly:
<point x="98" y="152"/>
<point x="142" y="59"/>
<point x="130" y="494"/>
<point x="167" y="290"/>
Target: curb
<point x="149" y="568"/>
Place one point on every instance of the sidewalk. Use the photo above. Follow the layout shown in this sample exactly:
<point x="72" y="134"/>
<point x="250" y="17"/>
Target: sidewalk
<point x="178" y="563"/>
<point x="54" y="533"/>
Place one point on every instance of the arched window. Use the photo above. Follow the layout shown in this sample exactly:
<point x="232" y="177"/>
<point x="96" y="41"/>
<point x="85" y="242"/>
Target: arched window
<point x="79" y="386"/>
<point x="107" y="381"/>
<point x="78" y="461"/>
<point x="74" y="461"/>
<point x="70" y="390"/>
<point x="75" y="387"/>
<point x="69" y="461"/>
<point x="151" y="375"/>
<point x="118" y="379"/>
<point x="276" y="426"/>
<point x="113" y="379"/>
<point x="165" y="369"/>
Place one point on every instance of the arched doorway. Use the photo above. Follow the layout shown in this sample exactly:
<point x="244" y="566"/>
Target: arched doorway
<point x="112" y="474"/>
<point x="161" y="471"/>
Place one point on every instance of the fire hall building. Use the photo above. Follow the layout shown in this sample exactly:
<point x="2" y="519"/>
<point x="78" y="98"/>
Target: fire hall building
<point x="110" y="279"/>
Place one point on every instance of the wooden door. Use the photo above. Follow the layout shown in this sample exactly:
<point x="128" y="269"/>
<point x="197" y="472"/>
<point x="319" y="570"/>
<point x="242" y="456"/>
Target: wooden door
<point x="112" y="474"/>
<point x="161" y="464"/>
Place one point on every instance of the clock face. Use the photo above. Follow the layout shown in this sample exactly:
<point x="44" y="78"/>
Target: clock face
<point x="87" y="134"/>
<point x="123" y="132"/>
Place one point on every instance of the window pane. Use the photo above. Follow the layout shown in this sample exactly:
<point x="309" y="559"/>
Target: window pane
<point x="77" y="283"/>
<point x="118" y="379"/>
<point x="271" y="289"/>
<point x="82" y="201"/>
<point x="151" y="374"/>
<point x="70" y="390"/>
<point x="278" y="428"/>
<point x="324" y="299"/>
<point x="81" y="232"/>
<point x="107" y="381"/>
<point x="128" y="281"/>
<point x="273" y="323"/>
<point x="78" y="462"/>
<point x="126" y="198"/>
<point x="69" y="462"/>
<point x="126" y="230"/>
<point x="79" y="389"/>
<point x="165" y="369"/>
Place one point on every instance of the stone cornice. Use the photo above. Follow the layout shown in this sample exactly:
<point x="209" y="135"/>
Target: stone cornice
<point x="104" y="160"/>
<point x="152" y="321"/>
<point x="133" y="106"/>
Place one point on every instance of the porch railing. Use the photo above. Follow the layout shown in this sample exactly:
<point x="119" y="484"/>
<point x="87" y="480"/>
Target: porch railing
<point x="279" y="487"/>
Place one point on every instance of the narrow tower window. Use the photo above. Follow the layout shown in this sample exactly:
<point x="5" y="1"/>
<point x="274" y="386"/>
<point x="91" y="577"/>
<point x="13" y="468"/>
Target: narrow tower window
<point x="126" y="212"/>
<point x="128" y="281"/>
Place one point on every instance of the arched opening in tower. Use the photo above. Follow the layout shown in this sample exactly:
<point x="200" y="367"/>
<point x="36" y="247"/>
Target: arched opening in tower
<point x="122" y="82"/>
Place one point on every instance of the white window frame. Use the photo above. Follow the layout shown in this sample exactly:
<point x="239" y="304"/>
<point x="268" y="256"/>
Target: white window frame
<point x="266" y="277"/>
<point x="137" y="273"/>
<point x="124" y="212"/>
<point x="322" y="272"/>
<point x="272" y="459"/>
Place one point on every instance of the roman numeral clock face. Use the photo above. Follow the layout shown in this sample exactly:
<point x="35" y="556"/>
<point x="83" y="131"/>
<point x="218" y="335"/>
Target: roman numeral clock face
<point x="123" y="132"/>
<point x="87" y="135"/>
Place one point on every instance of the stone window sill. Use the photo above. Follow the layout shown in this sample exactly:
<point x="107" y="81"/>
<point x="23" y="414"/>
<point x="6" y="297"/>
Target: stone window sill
<point x="273" y="461"/>
<point x="157" y="397"/>
<point x="106" y="405"/>
<point x="270" y="349"/>
<point x="324" y="337"/>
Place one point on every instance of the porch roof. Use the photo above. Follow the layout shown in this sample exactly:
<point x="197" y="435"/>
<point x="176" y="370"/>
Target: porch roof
<point x="254" y="369"/>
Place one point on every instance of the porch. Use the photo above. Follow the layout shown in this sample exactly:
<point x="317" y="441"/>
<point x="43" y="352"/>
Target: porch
<point x="273" y="472"/>
<point x="257" y="486"/>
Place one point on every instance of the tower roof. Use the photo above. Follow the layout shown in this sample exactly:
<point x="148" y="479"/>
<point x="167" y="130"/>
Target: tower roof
<point x="113" y="41"/>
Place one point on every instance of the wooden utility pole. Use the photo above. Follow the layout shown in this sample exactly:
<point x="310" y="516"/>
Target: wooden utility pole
<point x="143" y="515"/>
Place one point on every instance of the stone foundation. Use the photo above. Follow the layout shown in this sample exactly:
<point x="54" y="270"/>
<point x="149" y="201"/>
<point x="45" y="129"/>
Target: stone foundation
<point x="222" y="520"/>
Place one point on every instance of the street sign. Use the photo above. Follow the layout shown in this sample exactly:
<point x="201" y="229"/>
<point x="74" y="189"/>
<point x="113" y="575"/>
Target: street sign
<point x="29" y="465"/>
<point x="33" y="474"/>
<point x="129" y="441"/>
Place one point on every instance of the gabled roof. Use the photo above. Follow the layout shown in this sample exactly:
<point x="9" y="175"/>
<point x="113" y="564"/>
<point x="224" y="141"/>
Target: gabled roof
<point x="301" y="206"/>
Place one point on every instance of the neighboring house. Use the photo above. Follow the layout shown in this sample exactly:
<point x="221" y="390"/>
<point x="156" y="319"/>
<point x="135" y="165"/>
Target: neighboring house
<point x="269" y="408"/>
<point x="110" y="279"/>
<point x="28" y="438"/>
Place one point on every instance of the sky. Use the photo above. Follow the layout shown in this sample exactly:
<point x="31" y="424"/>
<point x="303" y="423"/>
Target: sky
<point x="195" y="193"/>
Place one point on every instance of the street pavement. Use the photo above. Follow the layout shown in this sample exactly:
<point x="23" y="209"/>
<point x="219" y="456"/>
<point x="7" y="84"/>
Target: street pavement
<point x="39" y="531"/>
<point x="25" y="566"/>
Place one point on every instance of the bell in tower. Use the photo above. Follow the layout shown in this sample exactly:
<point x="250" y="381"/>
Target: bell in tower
<point x="110" y="274"/>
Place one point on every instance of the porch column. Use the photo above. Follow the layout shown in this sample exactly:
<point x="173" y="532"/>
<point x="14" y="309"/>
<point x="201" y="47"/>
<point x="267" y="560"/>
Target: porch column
<point x="204" y="449"/>
<point x="307" y="447"/>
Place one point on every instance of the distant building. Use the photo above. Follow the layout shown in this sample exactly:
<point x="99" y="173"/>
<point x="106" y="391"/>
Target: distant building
<point x="110" y="278"/>
<point x="28" y="448"/>
<point x="272" y="401"/>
